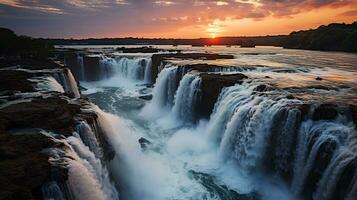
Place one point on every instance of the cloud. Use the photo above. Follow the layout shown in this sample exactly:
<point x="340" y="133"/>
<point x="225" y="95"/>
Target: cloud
<point x="350" y="13"/>
<point x="79" y="18"/>
<point x="32" y="5"/>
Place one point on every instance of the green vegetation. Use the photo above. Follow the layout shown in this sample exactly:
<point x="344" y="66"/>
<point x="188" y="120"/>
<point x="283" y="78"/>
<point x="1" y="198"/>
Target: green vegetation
<point x="333" y="37"/>
<point x="13" y="45"/>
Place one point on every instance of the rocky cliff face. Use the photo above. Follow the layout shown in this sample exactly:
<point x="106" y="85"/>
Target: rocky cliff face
<point x="39" y="109"/>
<point x="211" y="87"/>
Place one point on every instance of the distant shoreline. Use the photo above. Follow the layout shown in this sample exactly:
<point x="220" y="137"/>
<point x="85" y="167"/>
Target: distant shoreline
<point x="332" y="37"/>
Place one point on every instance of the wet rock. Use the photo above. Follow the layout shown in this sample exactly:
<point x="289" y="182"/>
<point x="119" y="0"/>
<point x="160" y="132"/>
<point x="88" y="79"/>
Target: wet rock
<point x="48" y="113"/>
<point x="305" y="109"/>
<point x="71" y="61"/>
<point x="141" y="50"/>
<point x="325" y="112"/>
<point x="211" y="86"/>
<point x="28" y="63"/>
<point x="92" y="68"/>
<point x="144" y="143"/>
<point x="157" y="59"/>
<point x="353" y="110"/>
<point x="146" y="97"/>
<point x="15" y="80"/>
<point x="23" y="168"/>
<point x="290" y="96"/>
<point x="262" y="88"/>
<point x="209" y="182"/>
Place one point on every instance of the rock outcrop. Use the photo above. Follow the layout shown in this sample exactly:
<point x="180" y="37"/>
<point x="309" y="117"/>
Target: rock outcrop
<point x="211" y="87"/>
<point x="35" y="121"/>
<point x="92" y="68"/>
<point x="157" y="59"/>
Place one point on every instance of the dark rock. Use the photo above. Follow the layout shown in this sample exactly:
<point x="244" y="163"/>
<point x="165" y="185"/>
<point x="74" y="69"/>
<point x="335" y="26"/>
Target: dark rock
<point x="71" y="61"/>
<point x="92" y="68"/>
<point x="28" y="63"/>
<point x="325" y="112"/>
<point x="146" y="97"/>
<point x="144" y="143"/>
<point x="48" y="113"/>
<point x="262" y="88"/>
<point x="353" y="110"/>
<point x="157" y="59"/>
<point x="305" y="109"/>
<point x="142" y="50"/>
<point x="15" y="80"/>
<point x="23" y="168"/>
<point x="318" y="78"/>
<point x="211" y="86"/>
<point x="290" y="96"/>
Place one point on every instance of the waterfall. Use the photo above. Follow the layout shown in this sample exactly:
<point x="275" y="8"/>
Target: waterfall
<point x="131" y="68"/>
<point x="148" y="76"/>
<point x="52" y="191"/>
<point x="72" y="84"/>
<point x="324" y="150"/>
<point x="88" y="178"/>
<point x="66" y="79"/>
<point x="247" y="131"/>
<point x="187" y="98"/>
<point x="48" y="83"/>
<point x="164" y="91"/>
<point x="266" y="134"/>
<point x="229" y="99"/>
<point x="89" y="138"/>
<point x="81" y="65"/>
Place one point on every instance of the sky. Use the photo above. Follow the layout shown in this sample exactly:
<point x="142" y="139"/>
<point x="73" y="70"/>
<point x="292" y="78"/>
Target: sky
<point x="169" y="18"/>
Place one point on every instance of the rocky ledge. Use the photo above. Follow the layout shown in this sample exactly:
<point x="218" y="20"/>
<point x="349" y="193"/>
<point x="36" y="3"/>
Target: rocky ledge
<point x="37" y="114"/>
<point x="158" y="59"/>
<point x="211" y="86"/>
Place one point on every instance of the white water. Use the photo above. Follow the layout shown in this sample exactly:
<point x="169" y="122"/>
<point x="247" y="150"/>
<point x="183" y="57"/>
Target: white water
<point x="163" y="93"/>
<point x="137" y="69"/>
<point x="48" y="84"/>
<point x="72" y="84"/>
<point x="68" y="82"/>
<point x="88" y="178"/>
<point x="246" y="145"/>
<point x="187" y="98"/>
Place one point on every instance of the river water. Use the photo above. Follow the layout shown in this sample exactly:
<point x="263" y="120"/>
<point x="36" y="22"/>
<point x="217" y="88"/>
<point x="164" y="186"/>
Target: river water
<point x="221" y="157"/>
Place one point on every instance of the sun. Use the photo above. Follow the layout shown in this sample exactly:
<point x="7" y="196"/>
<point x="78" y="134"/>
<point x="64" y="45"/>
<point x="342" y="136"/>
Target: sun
<point x="213" y="29"/>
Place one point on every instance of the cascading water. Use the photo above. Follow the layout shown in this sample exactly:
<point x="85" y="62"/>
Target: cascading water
<point x="254" y="141"/>
<point x="137" y="69"/>
<point x="89" y="138"/>
<point x="88" y="176"/>
<point x="72" y="84"/>
<point x="48" y="84"/>
<point x="68" y="82"/>
<point x="81" y="65"/>
<point x="164" y="91"/>
<point x="324" y="150"/>
<point x="187" y="98"/>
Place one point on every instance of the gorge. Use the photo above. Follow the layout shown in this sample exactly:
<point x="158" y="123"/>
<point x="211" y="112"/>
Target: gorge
<point x="180" y="123"/>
